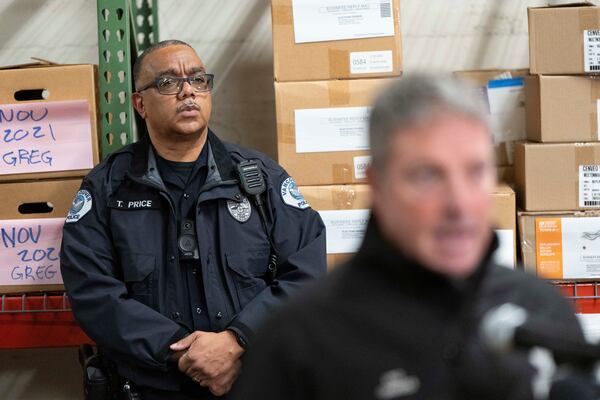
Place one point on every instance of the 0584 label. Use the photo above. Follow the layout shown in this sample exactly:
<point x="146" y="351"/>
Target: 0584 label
<point x="591" y="50"/>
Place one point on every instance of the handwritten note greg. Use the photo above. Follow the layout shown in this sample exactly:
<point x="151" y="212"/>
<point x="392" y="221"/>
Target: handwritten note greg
<point x="29" y="251"/>
<point x="45" y="136"/>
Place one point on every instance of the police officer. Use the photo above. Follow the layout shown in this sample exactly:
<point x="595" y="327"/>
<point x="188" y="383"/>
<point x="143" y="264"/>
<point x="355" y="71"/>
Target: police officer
<point x="178" y="246"/>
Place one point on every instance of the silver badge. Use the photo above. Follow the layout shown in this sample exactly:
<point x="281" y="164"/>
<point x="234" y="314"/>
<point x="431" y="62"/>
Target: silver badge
<point x="240" y="211"/>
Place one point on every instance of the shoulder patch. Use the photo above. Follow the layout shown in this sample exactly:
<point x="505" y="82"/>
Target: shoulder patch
<point x="82" y="204"/>
<point x="291" y="195"/>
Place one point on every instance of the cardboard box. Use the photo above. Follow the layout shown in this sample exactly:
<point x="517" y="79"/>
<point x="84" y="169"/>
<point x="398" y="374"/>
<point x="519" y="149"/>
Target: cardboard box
<point x="322" y="129"/>
<point x="562" y="40"/>
<point x="49" y="121"/>
<point x="561" y="245"/>
<point x="504" y="92"/>
<point x="505" y="211"/>
<point x="557" y="176"/>
<point x="31" y="218"/>
<point x="325" y="40"/>
<point x="562" y="108"/>
<point x="345" y="211"/>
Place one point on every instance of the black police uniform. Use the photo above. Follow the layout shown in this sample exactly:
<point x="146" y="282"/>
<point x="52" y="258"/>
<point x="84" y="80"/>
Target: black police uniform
<point x="120" y="259"/>
<point x="383" y="327"/>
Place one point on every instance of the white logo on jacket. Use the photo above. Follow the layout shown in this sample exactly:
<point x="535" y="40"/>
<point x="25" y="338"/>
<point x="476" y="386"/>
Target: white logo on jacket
<point x="396" y="383"/>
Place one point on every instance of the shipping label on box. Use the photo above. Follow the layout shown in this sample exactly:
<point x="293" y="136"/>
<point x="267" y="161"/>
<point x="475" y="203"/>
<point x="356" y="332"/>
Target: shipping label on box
<point x="325" y="20"/>
<point x="332" y="129"/>
<point x="568" y="248"/>
<point x="45" y="137"/>
<point x="345" y="229"/>
<point x="506" y="99"/>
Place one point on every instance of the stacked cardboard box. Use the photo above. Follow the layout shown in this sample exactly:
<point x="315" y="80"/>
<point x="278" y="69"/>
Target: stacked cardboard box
<point x="330" y="59"/>
<point x="49" y="138"/>
<point x="557" y="173"/>
<point x="504" y="93"/>
<point x="345" y="211"/>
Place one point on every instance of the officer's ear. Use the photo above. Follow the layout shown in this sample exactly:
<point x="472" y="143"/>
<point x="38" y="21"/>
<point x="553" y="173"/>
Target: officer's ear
<point x="138" y="103"/>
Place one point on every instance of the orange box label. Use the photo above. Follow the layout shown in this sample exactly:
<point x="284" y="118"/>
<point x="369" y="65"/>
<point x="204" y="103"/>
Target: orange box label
<point x="548" y="247"/>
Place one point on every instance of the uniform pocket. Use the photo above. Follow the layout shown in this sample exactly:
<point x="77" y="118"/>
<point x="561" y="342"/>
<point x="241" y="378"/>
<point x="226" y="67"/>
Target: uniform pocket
<point x="138" y="274"/>
<point x="247" y="271"/>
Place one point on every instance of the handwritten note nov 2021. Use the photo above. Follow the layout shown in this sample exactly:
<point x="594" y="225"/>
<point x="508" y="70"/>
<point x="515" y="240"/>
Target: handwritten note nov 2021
<point x="29" y="251"/>
<point x="45" y="137"/>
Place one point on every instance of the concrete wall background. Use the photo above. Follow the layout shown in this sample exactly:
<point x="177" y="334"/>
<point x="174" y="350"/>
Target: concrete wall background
<point x="234" y="39"/>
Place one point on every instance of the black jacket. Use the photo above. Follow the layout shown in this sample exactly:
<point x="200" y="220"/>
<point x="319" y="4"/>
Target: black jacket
<point x="120" y="264"/>
<point x="382" y="327"/>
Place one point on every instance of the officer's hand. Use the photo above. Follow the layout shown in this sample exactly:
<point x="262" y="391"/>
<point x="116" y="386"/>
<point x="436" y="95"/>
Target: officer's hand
<point x="209" y="356"/>
<point x="222" y="384"/>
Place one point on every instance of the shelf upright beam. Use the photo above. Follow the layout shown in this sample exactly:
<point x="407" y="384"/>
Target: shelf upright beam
<point x="125" y="28"/>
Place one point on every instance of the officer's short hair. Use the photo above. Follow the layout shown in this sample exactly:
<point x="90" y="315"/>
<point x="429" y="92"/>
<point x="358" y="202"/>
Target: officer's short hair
<point x="137" y="66"/>
<point x="413" y="99"/>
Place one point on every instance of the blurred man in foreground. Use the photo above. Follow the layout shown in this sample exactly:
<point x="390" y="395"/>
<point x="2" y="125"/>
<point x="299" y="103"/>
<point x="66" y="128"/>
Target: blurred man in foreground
<point x="401" y="320"/>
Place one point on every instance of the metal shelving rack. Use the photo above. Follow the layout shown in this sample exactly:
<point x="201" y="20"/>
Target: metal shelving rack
<point x="125" y="28"/>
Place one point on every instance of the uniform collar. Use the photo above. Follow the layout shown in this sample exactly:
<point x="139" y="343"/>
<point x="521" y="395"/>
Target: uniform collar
<point x="378" y="253"/>
<point x="220" y="165"/>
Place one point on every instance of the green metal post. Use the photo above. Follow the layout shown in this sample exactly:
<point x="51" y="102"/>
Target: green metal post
<point x="124" y="30"/>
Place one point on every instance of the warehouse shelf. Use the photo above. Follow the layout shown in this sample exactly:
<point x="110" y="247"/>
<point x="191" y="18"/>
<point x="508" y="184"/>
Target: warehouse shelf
<point x="585" y="295"/>
<point x="38" y="320"/>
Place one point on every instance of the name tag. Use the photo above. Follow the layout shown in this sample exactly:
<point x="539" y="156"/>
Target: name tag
<point x="134" y="204"/>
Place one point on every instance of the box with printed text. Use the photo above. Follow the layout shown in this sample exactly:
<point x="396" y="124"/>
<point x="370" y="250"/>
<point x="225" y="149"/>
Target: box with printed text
<point x="557" y="176"/>
<point x="561" y="245"/>
<point x="48" y="121"/>
<point x="322" y="129"/>
<point x="564" y="39"/>
<point x="32" y="215"/>
<point x="345" y="210"/>
<point x="336" y="39"/>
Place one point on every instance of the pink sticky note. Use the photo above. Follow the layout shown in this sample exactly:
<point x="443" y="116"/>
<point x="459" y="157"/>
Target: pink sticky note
<point x="29" y="251"/>
<point x="45" y="136"/>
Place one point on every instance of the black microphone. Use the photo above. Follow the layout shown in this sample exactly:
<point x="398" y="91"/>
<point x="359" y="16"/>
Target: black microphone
<point x="509" y="326"/>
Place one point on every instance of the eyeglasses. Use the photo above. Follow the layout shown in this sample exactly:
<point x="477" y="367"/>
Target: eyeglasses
<point x="173" y="84"/>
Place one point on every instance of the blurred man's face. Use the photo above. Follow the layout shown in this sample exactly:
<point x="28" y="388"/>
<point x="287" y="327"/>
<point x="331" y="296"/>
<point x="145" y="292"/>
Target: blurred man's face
<point x="432" y="198"/>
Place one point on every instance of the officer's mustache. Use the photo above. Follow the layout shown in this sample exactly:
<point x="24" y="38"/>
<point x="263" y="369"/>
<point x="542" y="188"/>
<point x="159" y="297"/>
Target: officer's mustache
<point x="188" y="105"/>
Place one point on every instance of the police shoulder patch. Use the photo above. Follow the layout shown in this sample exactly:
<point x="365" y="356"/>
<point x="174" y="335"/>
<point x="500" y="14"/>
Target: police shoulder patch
<point x="240" y="211"/>
<point x="82" y="204"/>
<point x="291" y="195"/>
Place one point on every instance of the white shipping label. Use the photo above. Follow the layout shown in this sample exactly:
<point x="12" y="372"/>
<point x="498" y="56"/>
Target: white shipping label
<point x="591" y="50"/>
<point x="345" y="229"/>
<point x="371" y="62"/>
<point x="598" y="118"/>
<point x="331" y="129"/>
<point x="506" y="99"/>
<point x="581" y="247"/>
<point x="589" y="186"/>
<point x="361" y="164"/>
<point x="505" y="253"/>
<point x="323" y="20"/>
